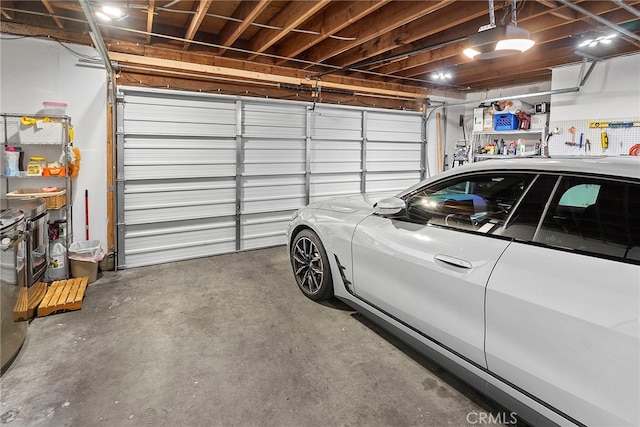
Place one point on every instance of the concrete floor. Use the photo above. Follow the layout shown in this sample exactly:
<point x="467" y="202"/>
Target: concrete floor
<point x="227" y="340"/>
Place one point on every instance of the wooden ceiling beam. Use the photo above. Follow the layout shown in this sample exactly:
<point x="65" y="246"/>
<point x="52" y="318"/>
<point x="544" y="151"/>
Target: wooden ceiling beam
<point x="290" y="17"/>
<point x="449" y="15"/>
<point x="334" y="82"/>
<point x="52" y="12"/>
<point x="559" y="10"/>
<point x="150" y="12"/>
<point x="196" y="20"/>
<point x="247" y="11"/>
<point x="48" y="33"/>
<point x="383" y="20"/>
<point x="338" y="16"/>
<point x="7" y="14"/>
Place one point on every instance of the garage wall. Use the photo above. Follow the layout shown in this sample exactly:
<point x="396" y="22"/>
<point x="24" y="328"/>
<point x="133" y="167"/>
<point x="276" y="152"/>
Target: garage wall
<point x="611" y="91"/>
<point x="203" y="174"/>
<point x="33" y="71"/>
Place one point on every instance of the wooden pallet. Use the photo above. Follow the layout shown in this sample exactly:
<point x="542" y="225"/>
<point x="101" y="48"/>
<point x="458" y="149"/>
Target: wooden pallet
<point x="63" y="295"/>
<point x="28" y="300"/>
<point x="20" y="310"/>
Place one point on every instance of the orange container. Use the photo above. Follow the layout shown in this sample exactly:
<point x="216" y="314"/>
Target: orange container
<point x="59" y="171"/>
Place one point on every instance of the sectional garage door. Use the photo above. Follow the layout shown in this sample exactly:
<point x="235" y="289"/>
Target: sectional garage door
<point x="201" y="174"/>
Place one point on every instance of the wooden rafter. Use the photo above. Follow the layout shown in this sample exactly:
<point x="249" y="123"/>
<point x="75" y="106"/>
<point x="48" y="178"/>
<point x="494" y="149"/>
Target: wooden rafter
<point x="442" y="19"/>
<point x="294" y="14"/>
<point x="150" y="13"/>
<point x="247" y="11"/>
<point x="53" y="15"/>
<point x="560" y="10"/>
<point x="335" y="18"/>
<point x="385" y="19"/>
<point x="203" y="7"/>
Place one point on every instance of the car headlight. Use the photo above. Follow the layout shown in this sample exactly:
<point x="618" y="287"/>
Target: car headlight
<point x="295" y="215"/>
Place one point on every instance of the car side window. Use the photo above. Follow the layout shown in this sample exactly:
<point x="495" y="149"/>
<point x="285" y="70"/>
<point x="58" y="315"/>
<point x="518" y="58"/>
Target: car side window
<point x="594" y="216"/>
<point x="525" y="219"/>
<point x="478" y="202"/>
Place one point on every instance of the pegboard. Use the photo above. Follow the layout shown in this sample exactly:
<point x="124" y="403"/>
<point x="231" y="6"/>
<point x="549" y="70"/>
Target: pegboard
<point x="621" y="138"/>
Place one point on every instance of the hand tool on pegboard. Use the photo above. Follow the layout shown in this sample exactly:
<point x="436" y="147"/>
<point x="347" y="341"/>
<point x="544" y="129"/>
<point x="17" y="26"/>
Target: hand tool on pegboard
<point x="611" y="124"/>
<point x="604" y="139"/>
<point x="572" y="131"/>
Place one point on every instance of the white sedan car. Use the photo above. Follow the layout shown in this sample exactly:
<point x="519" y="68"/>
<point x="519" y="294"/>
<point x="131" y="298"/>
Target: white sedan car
<point x="521" y="276"/>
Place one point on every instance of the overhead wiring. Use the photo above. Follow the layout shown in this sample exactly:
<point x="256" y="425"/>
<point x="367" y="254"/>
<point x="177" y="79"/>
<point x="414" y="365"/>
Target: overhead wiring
<point x="217" y="46"/>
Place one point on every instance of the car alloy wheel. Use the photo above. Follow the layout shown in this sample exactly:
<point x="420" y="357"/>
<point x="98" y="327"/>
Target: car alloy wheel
<point x="311" y="266"/>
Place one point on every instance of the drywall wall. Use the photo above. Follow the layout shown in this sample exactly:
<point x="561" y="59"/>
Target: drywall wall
<point x="611" y="91"/>
<point x="33" y="71"/>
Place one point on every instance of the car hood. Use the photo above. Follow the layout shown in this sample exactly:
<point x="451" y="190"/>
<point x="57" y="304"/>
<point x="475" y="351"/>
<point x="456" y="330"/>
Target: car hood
<point x="362" y="203"/>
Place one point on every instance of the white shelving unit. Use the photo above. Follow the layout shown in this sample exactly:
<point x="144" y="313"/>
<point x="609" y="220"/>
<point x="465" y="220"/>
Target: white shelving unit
<point x="482" y="138"/>
<point x="49" y="138"/>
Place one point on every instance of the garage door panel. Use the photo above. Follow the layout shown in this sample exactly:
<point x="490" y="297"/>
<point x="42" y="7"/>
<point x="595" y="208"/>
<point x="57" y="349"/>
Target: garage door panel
<point x="333" y="185"/>
<point x="271" y="144"/>
<point x="177" y="129"/>
<point x="192" y="198"/>
<point x="160" y="98"/>
<point x="178" y="171"/>
<point x="328" y="145"/>
<point x="272" y="120"/>
<point x="173" y="241"/>
<point x="264" y="229"/>
<point x="391" y="182"/>
<point x="335" y="124"/>
<point x="394" y="127"/>
<point x="179" y="254"/>
<point x="180" y="213"/>
<point x="185" y="157"/>
<point x="273" y="156"/>
<point x="163" y="142"/>
<point x="275" y="204"/>
<point x="181" y="114"/>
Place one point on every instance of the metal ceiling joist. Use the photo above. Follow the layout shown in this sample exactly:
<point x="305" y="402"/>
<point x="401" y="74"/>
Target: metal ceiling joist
<point x="601" y="20"/>
<point x="95" y="34"/>
<point x="627" y="7"/>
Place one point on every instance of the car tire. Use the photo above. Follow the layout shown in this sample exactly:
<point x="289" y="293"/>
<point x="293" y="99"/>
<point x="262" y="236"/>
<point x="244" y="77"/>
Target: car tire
<point x="311" y="266"/>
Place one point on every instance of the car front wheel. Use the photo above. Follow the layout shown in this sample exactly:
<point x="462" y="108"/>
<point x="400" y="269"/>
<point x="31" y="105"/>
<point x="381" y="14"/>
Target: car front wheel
<point x="311" y="266"/>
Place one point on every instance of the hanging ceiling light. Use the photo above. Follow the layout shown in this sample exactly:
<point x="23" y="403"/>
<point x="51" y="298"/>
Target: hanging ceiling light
<point x="441" y="75"/>
<point x="108" y="13"/>
<point x="493" y="41"/>
<point x="596" y="41"/>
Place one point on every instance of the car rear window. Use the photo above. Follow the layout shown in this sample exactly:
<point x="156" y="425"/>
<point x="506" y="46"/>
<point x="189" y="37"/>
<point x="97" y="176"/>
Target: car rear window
<point x="594" y="216"/>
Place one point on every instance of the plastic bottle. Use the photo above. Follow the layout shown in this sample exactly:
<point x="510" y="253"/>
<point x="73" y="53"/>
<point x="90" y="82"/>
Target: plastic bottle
<point x="11" y="162"/>
<point x="57" y="262"/>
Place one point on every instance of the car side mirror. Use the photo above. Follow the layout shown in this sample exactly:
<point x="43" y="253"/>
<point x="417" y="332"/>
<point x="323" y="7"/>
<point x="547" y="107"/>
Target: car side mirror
<point x="390" y="207"/>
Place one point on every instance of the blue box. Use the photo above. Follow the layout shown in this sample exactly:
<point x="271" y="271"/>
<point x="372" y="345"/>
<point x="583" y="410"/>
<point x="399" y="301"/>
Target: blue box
<point x="506" y="121"/>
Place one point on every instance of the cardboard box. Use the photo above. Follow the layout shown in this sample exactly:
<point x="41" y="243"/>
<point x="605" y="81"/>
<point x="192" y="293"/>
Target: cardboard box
<point x="538" y="121"/>
<point x="487" y="124"/>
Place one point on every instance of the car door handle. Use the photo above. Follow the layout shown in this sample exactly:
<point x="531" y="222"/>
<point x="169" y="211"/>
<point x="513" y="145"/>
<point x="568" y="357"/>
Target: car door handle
<point x="452" y="261"/>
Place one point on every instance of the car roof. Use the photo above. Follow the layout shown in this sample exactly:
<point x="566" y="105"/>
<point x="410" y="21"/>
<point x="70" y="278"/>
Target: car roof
<point x="622" y="166"/>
